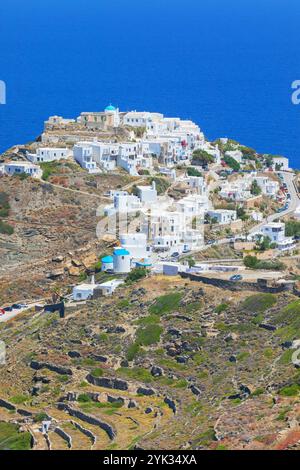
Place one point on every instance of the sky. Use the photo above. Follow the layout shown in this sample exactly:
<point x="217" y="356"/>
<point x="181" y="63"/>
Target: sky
<point x="228" y="65"/>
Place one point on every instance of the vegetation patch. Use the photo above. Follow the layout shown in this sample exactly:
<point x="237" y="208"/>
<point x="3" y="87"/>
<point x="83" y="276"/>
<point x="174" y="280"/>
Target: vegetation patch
<point x="136" y="373"/>
<point x="98" y="372"/>
<point x="290" y="391"/>
<point x="136" y="274"/>
<point x="289" y="318"/>
<point x="166" y="303"/>
<point x="259" y="303"/>
<point x="5" y="228"/>
<point x="149" y="334"/>
<point x="12" y="439"/>
<point x="221" y="308"/>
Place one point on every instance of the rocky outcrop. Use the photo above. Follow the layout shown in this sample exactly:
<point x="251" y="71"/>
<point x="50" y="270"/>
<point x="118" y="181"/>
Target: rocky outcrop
<point x="195" y="390"/>
<point x="157" y="371"/>
<point x="145" y="391"/>
<point x="171" y="404"/>
<point x="88" y="419"/>
<point x="106" y="382"/>
<point x="36" y="365"/>
<point x="7" y="405"/>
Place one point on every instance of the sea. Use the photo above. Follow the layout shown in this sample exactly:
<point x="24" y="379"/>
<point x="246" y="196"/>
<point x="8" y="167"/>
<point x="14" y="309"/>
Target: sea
<point x="228" y="65"/>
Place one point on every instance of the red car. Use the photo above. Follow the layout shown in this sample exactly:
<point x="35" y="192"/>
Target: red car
<point x="2" y="312"/>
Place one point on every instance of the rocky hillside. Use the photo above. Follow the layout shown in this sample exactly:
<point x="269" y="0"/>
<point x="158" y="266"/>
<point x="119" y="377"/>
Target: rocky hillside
<point x="164" y="365"/>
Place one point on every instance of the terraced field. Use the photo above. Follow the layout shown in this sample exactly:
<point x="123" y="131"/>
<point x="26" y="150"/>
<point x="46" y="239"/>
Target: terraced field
<point x="169" y="364"/>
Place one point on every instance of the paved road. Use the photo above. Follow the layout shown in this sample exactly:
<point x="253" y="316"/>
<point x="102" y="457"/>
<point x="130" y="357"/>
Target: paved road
<point x="288" y="178"/>
<point x="10" y="315"/>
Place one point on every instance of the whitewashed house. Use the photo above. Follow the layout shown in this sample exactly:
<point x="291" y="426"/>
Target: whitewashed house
<point x="123" y="203"/>
<point x="280" y="163"/>
<point x="49" y="154"/>
<point x="20" y="167"/>
<point x="223" y="216"/>
<point x="275" y="231"/>
<point x="268" y="186"/>
<point x="193" y="205"/>
<point x="147" y="194"/>
<point x="108" y="287"/>
<point x="83" y="155"/>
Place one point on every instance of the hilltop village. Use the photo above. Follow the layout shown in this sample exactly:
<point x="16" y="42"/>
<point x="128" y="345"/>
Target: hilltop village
<point x="148" y="278"/>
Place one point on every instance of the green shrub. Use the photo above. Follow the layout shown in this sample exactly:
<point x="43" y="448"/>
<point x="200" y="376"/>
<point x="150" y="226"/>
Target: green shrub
<point x="84" y="398"/>
<point x="259" y="303"/>
<point x="6" y="229"/>
<point x="98" y="372"/>
<point x="221" y="308"/>
<point x="166" y="303"/>
<point x="136" y="373"/>
<point x="253" y="262"/>
<point x="290" y="391"/>
<point x="132" y="351"/>
<point x="149" y="334"/>
<point x="19" y="399"/>
<point x="193" y="171"/>
<point x="12" y="439"/>
<point x="232" y="163"/>
<point x="38" y="418"/>
<point x="136" y="274"/>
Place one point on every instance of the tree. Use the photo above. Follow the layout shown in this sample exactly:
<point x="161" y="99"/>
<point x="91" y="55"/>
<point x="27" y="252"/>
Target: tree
<point x="232" y="163"/>
<point x="193" y="172"/>
<point x="191" y="261"/>
<point x="250" y="261"/>
<point x="265" y="243"/>
<point x="269" y="161"/>
<point x="202" y="158"/>
<point x="241" y="214"/>
<point x="255" y="188"/>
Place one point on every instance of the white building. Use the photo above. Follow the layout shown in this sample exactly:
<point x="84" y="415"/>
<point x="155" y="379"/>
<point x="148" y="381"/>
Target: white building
<point x="49" y="154"/>
<point x="83" y="156"/>
<point x="223" y="216"/>
<point x="268" y="186"/>
<point x="193" y="205"/>
<point x="108" y="288"/>
<point x="84" y="291"/>
<point x="280" y="163"/>
<point x="107" y="263"/>
<point x="19" y="167"/>
<point x="135" y="244"/>
<point x="147" y="194"/>
<point x="196" y="184"/>
<point x="275" y="231"/>
<point x="123" y="203"/>
<point x="122" y="261"/>
<point x="168" y="172"/>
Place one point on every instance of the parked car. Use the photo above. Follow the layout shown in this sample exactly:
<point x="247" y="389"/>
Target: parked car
<point x="175" y="255"/>
<point x="2" y="311"/>
<point x="8" y="309"/>
<point x="17" y="306"/>
<point x="236" y="277"/>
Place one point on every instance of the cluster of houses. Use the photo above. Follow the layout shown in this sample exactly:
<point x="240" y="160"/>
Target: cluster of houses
<point x="239" y="190"/>
<point x="151" y="140"/>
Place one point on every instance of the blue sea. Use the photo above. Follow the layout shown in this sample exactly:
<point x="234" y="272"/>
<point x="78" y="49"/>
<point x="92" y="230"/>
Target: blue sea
<point x="226" y="64"/>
